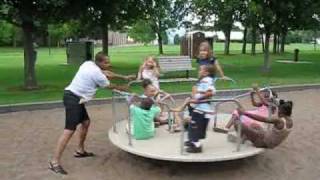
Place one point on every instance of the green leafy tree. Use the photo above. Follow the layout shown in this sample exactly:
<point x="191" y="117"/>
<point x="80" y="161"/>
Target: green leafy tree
<point x="6" y="33"/>
<point x="225" y="13"/>
<point x="141" y="31"/>
<point x="29" y="16"/>
<point x="112" y="15"/>
<point x="162" y="16"/>
<point x="60" y="31"/>
<point x="165" y="38"/>
<point x="176" y="39"/>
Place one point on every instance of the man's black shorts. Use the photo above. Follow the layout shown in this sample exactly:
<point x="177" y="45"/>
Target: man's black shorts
<point x="75" y="113"/>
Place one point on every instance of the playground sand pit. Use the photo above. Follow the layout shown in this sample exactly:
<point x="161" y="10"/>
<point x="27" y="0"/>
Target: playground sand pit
<point x="27" y="140"/>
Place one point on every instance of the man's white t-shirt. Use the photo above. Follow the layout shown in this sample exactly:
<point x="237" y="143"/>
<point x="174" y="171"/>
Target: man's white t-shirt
<point x="88" y="78"/>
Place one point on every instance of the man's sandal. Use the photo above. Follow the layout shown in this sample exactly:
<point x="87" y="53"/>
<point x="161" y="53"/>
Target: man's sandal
<point x="83" y="155"/>
<point x="55" y="167"/>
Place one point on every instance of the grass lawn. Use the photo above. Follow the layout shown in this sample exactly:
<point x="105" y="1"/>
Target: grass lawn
<point x="53" y="75"/>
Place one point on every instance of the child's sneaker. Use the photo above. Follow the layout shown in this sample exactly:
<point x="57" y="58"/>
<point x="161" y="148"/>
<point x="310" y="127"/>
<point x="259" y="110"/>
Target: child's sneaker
<point x="194" y="149"/>
<point x="188" y="143"/>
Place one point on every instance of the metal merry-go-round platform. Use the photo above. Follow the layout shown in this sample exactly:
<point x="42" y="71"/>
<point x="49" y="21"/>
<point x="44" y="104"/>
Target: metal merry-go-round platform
<point x="166" y="145"/>
<point x="169" y="146"/>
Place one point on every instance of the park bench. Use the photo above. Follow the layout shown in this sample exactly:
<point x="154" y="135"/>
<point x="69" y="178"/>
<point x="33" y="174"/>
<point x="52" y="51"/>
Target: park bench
<point x="174" y="64"/>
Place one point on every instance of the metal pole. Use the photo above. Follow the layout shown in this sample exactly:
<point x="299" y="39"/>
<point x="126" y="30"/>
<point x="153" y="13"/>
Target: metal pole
<point x="216" y="116"/>
<point x="129" y="128"/>
<point x="269" y="107"/>
<point x="239" y="139"/>
<point x="114" y="113"/>
<point x="182" y="141"/>
<point x="170" y="122"/>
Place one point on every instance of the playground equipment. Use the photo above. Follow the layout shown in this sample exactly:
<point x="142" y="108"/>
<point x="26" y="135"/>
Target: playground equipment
<point x="170" y="146"/>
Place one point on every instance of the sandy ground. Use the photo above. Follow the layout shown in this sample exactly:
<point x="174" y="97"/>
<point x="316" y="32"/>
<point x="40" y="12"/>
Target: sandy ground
<point x="27" y="140"/>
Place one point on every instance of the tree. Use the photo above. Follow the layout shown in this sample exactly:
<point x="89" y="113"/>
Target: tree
<point x="6" y="33"/>
<point x="176" y="39"/>
<point x="225" y="13"/>
<point x="141" y="31"/>
<point x="113" y="15"/>
<point x="285" y="18"/>
<point x="162" y="16"/>
<point x="61" y="31"/>
<point x="267" y="18"/>
<point x="244" y="18"/>
<point x="250" y="19"/>
<point x="30" y="15"/>
<point x="165" y="38"/>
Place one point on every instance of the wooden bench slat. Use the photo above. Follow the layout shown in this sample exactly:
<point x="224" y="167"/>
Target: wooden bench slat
<point x="175" y="63"/>
<point x="170" y="67"/>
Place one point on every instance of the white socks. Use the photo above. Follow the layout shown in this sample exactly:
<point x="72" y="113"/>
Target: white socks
<point x="197" y="144"/>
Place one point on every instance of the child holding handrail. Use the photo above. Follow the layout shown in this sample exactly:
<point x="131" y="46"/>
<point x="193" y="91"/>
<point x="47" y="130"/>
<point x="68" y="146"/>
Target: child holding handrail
<point x="142" y="117"/>
<point x="149" y="90"/>
<point x="150" y="70"/>
<point x="262" y="107"/>
<point x="199" y="111"/>
<point x="206" y="57"/>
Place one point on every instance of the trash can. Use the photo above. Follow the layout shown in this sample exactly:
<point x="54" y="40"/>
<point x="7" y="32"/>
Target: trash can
<point x="78" y="52"/>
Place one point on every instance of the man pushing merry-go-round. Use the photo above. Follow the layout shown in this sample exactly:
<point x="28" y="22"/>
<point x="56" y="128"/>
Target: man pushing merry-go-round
<point x="90" y="76"/>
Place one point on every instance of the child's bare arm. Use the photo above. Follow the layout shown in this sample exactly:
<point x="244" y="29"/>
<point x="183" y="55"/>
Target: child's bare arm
<point x="132" y="99"/>
<point x="112" y="75"/>
<point x="206" y="95"/>
<point x="253" y="100"/>
<point x="156" y="71"/>
<point x="194" y="91"/>
<point x="182" y="107"/>
<point x="219" y="69"/>
<point x="261" y="98"/>
<point x="258" y="117"/>
<point x="139" y="77"/>
<point x="165" y="96"/>
<point x="124" y="88"/>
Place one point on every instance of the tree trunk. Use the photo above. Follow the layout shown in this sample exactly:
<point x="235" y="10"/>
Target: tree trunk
<point x="14" y="40"/>
<point x="278" y="44"/>
<point x="49" y="43"/>
<point x="244" y="45"/>
<point x="275" y="40"/>
<point x="30" y="56"/>
<point x="227" y="42"/>
<point x="262" y="42"/>
<point x="283" y="42"/>
<point x="105" y="40"/>
<point x="160" y="43"/>
<point x="266" y="65"/>
<point x="254" y="41"/>
<point x="159" y="36"/>
<point x="45" y="39"/>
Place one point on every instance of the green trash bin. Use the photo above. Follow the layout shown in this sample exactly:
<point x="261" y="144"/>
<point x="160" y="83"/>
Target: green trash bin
<point x="78" y="52"/>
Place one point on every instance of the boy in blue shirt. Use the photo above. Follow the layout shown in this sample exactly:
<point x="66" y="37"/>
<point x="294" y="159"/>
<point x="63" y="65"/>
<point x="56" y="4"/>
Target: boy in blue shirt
<point x="203" y="90"/>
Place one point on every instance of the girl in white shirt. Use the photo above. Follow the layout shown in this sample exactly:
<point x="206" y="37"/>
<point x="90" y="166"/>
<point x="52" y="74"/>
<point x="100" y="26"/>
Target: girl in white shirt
<point x="150" y="70"/>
